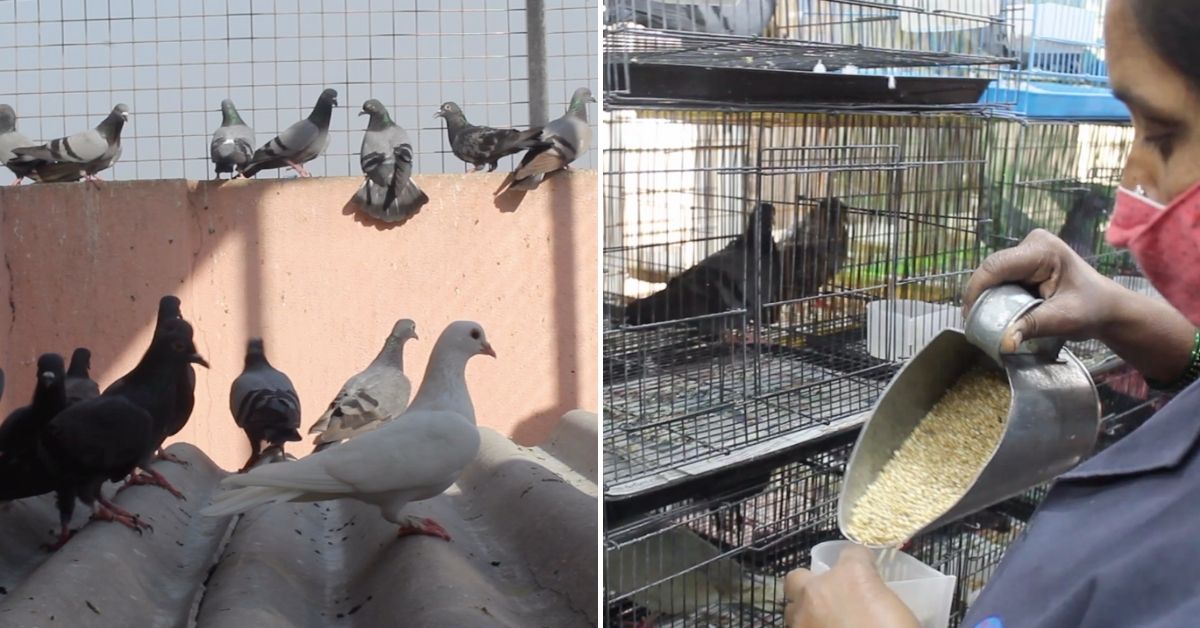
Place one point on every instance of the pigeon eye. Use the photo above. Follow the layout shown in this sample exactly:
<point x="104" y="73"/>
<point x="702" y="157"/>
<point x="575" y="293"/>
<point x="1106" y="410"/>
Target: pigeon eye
<point x="475" y="334"/>
<point x="177" y="346"/>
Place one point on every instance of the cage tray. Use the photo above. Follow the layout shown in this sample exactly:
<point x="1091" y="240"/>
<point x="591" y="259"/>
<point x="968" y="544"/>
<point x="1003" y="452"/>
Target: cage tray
<point x="766" y="86"/>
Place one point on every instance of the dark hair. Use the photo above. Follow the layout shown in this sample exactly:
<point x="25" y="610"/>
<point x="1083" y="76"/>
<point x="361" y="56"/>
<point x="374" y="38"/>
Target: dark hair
<point x="1172" y="29"/>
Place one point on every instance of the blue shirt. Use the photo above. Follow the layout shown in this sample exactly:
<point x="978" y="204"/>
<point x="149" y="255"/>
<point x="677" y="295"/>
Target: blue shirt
<point x="1116" y="543"/>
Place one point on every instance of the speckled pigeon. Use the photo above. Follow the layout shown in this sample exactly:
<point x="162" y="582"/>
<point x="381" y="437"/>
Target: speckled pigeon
<point x="81" y="155"/>
<point x="264" y="403"/>
<point x="563" y="141"/>
<point x="377" y="394"/>
<point x="483" y="145"/>
<point x="299" y="144"/>
<point x="389" y="193"/>
<point x="233" y="142"/>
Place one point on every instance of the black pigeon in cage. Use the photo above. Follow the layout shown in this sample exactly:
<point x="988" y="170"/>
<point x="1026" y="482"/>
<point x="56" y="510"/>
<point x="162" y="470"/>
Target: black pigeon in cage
<point x="748" y="18"/>
<point x="298" y="144"/>
<point x="1081" y="229"/>
<point x="79" y="384"/>
<point x="10" y="138"/>
<point x="78" y="156"/>
<point x="816" y="249"/>
<point x="734" y="277"/>
<point x="483" y="145"/>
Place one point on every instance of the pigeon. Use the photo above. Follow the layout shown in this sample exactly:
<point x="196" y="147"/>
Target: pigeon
<point x="1080" y="230"/>
<point x="19" y="431"/>
<point x="816" y="249"/>
<point x="1" y="384"/>
<point x="81" y="155"/>
<point x="108" y="437"/>
<point x="563" y="141"/>
<point x="299" y="144"/>
<point x="185" y="388"/>
<point x="389" y="193"/>
<point x="80" y="386"/>
<point x="747" y="18"/>
<point x="378" y="394"/>
<point x="415" y="457"/>
<point x="483" y="145"/>
<point x="264" y="403"/>
<point x="719" y="282"/>
<point x="10" y="138"/>
<point x="233" y="142"/>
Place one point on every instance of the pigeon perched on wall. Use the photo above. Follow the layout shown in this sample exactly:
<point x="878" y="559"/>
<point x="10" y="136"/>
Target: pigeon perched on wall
<point x="562" y="141"/>
<point x="377" y="394"/>
<point x="107" y="438"/>
<point x="299" y="144"/>
<point x="721" y="282"/>
<point x="233" y="142"/>
<point x="163" y="384"/>
<point x="483" y="145"/>
<point x="79" y="384"/>
<point x="10" y="138"/>
<point x="1081" y="229"/>
<point x="389" y="193"/>
<point x="748" y="18"/>
<point x="81" y="155"/>
<point x="417" y="456"/>
<point x="19" y="430"/>
<point x="264" y="403"/>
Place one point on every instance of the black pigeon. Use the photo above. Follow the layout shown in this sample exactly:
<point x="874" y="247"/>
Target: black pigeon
<point x="264" y="403"/>
<point x="1081" y="229"/>
<point x="1" y="384"/>
<point x="389" y="193"/>
<point x="20" y="428"/>
<point x="816" y="249"/>
<point x="233" y="142"/>
<point x="80" y="386"/>
<point x="298" y="144"/>
<point x="719" y="283"/>
<point x="483" y="145"/>
<point x="107" y="438"/>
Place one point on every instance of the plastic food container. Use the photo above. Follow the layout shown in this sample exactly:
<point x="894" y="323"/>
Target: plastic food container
<point x="927" y="592"/>
<point x="898" y="328"/>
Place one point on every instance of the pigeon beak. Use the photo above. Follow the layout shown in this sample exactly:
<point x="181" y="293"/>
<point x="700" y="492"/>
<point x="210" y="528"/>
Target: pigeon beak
<point x="439" y="114"/>
<point x="415" y="336"/>
<point x="196" y="358"/>
<point x="363" y="113"/>
<point x="47" y="378"/>
<point x="487" y="349"/>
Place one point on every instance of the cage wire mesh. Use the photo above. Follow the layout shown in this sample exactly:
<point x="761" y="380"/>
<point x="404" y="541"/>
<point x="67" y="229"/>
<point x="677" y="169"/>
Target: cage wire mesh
<point x="724" y="328"/>
<point x="719" y="559"/>
<point x="64" y="64"/>
<point x="940" y="40"/>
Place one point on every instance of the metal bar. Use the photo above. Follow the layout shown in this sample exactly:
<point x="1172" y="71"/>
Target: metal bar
<point x="535" y="34"/>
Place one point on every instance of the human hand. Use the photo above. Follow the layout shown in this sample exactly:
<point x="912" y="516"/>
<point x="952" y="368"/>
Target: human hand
<point x="850" y="595"/>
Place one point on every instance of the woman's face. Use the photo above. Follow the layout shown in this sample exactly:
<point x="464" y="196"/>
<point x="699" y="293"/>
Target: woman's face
<point x="1165" y="159"/>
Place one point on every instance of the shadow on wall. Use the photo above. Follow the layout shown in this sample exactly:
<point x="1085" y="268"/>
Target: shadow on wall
<point x="86" y="266"/>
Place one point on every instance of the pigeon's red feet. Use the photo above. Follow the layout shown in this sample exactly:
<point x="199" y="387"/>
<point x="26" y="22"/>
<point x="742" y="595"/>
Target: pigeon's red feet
<point x="151" y="478"/>
<point x="117" y="510"/>
<point x="17" y="182"/>
<point x="63" y="536"/>
<point x="427" y="527"/>
<point x="167" y="457"/>
<point x="131" y="521"/>
<point x="299" y="168"/>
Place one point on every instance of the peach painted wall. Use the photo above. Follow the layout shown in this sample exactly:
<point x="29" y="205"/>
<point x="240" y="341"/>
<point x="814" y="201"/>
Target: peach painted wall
<point x="287" y="260"/>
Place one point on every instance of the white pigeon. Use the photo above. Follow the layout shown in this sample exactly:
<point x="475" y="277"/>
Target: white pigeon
<point x="414" y="457"/>
<point x="374" y="395"/>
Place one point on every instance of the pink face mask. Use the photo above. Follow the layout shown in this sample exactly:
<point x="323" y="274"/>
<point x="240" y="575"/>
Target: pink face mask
<point x="1165" y="241"/>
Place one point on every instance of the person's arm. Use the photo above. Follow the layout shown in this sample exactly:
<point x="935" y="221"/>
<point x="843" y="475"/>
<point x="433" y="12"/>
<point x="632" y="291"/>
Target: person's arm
<point x="1080" y="304"/>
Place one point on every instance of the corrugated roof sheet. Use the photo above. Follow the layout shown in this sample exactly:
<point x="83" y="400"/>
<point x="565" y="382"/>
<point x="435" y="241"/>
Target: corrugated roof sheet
<point x="523" y="522"/>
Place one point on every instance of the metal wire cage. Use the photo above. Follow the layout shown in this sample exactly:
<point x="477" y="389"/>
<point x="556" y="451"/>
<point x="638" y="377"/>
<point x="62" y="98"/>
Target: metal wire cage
<point x="940" y="53"/>
<point x="719" y="558"/>
<point x="64" y="64"/>
<point x="725" y="329"/>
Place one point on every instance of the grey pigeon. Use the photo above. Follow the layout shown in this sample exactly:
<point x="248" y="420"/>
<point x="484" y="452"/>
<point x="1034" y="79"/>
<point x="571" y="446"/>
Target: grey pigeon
<point x="299" y="144"/>
<point x="483" y="145"/>
<point x="10" y="138"/>
<point x="233" y="142"/>
<point x="376" y="395"/>
<point x="81" y="155"/>
<point x="389" y="193"/>
<point x="415" y="457"/>
<point x="748" y="18"/>
<point x="264" y="403"/>
<point x="80" y="386"/>
<point x="563" y="140"/>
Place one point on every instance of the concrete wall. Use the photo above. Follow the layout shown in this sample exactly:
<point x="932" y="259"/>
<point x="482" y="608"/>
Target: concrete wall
<point x="290" y="260"/>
